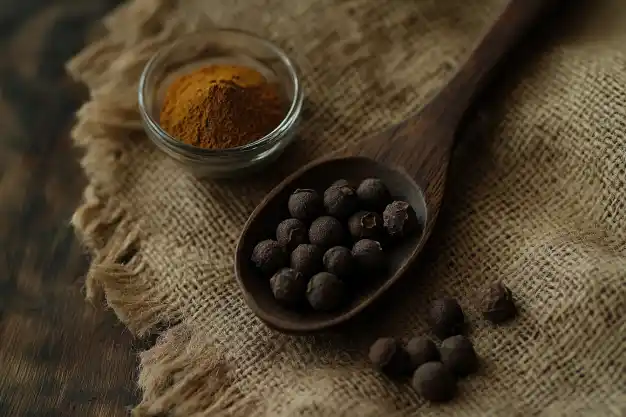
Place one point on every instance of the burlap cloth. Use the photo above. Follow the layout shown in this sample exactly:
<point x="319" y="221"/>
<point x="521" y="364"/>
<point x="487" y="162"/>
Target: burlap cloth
<point x="537" y="199"/>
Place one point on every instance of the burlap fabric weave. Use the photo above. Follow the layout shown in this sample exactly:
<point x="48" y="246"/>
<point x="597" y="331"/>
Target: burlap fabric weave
<point x="535" y="199"/>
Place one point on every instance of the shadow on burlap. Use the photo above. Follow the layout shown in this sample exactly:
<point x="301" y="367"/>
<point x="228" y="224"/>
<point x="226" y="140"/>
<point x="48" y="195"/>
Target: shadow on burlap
<point x="536" y="200"/>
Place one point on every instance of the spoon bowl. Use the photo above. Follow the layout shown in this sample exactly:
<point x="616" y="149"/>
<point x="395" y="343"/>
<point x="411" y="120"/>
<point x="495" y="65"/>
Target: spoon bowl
<point x="319" y="176"/>
<point x="411" y="158"/>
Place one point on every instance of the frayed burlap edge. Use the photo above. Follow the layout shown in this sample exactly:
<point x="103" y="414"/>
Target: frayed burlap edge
<point x="178" y="367"/>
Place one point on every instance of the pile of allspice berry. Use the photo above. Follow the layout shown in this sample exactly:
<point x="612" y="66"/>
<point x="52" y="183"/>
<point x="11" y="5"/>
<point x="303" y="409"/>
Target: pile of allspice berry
<point x="332" y="243"/>
<point x="436" y="369"/>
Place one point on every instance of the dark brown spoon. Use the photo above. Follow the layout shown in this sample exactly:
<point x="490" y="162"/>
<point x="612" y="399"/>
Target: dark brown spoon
<point x="411" y="158"/>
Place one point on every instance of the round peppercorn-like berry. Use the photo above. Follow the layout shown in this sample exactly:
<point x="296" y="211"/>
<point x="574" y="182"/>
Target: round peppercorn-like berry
<point x="327" y="231"/>
<point x="369" y="255"/>
<point x="305" y="205"/>
<point x="434" y="382"/>
<point x="268" y="256"/>
<point x="387" y="355"/>
<point x="446" y="317"/>
<point x="325" y="291"/>
<point x="373" y="194"/>
<point x="289" y="287"/>
<point x="458" y="355"/>
<point x="399" y="219"/>
<point x="497" y="304"/>
<point x="291" y="233"/>
<point x="366" y="225"/>
<point x="422" y="350"/>
<point x="340" y="201"/>
<point x="338" y="260"/>
<point x="307" y="259"/>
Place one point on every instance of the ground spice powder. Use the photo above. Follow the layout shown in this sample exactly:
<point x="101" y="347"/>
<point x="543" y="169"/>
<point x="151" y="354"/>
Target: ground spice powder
<point x="221" y="107"/>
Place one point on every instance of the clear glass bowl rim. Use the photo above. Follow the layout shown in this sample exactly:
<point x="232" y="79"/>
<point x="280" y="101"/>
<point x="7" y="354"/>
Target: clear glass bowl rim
<point x="270" y="138"/>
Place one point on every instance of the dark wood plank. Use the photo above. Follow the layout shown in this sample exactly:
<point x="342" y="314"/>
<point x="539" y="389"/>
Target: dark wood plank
<point x="59" y="356"/>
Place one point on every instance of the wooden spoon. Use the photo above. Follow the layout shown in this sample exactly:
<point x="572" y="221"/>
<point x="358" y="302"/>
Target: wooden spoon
<point x="411" y="158"/>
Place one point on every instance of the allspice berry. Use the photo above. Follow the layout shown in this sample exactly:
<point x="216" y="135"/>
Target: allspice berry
<point x="327" y="231"/>
<point x="446" y="317"/>
<point x="340" y="201"/>
<point x="387" y="355"/>
<point x="497" y="304"/>
<point x="305" y="205"/>
<point x="366" y="225"/>
<point x="369" y="255"/>
<point x="399" y="219"/>
<point x="422" y="350"/>
<point x="434" y="382"/>
<point x="269" y="256"/>
<point x="290" y="233"/>
<point x="458" y="355"/>
<point x="307" y="259"/>
<point x="373" y="194"/>
<point x="325" y="292"/>
<point x="289" y="287"/>
<point x="338" y="260"/>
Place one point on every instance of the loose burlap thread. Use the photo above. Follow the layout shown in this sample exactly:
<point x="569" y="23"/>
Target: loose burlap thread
<point x="536" y="199"/>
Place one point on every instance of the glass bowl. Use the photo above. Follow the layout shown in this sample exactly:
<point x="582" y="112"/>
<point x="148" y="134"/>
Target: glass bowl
<point x="220" y="47"/>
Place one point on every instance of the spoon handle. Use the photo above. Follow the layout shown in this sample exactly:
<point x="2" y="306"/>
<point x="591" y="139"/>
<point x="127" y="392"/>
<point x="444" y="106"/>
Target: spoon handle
<point x="454" y="99"/>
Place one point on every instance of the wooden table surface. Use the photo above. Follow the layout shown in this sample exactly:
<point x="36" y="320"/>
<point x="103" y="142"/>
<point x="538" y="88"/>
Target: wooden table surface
<point x="59" y="356"/>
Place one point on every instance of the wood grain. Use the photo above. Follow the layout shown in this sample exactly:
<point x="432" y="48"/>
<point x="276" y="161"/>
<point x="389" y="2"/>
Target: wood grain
<point x="59" y="356"/>
<point x="411" y="158"/>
